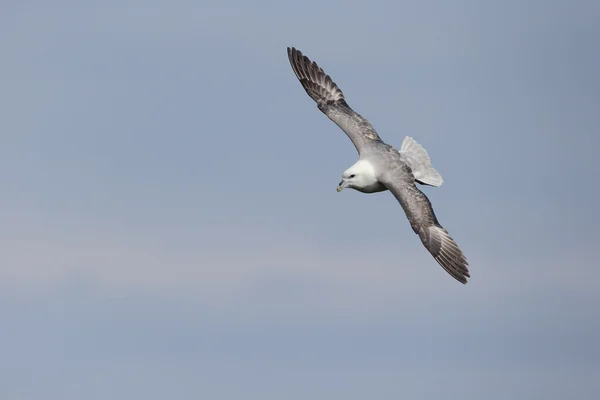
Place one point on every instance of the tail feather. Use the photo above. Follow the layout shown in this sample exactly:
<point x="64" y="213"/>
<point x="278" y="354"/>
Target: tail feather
<point x="417" y="158"/>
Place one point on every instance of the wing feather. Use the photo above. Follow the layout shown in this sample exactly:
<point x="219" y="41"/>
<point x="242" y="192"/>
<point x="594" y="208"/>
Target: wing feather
<point x="331" y="101"/>
<point x="422" y="218"/>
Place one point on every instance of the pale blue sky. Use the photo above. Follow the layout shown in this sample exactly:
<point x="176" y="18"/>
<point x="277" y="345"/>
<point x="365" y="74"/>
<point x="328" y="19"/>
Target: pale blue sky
<point x="170" y="226"/>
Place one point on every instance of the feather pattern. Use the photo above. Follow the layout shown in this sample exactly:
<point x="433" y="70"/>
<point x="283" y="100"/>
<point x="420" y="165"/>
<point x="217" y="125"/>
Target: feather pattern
<point x="331" y="101"/>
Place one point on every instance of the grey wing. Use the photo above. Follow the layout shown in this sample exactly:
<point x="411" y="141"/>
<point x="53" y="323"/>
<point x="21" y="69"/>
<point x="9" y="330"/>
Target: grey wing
<point x="331" y="101"/>
<point x="425" y="224"/>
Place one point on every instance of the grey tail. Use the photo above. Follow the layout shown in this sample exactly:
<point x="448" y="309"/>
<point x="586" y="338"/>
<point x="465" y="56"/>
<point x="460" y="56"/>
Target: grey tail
<point x="315" y="81"/>
<point x="416" y="157"/>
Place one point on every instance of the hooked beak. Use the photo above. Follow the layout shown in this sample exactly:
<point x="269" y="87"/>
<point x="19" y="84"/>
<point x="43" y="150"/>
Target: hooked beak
<point x="341" y="186"/>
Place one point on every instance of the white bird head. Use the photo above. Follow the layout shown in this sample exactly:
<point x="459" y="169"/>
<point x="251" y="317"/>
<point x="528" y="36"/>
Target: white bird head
<point x="360" y="176"/>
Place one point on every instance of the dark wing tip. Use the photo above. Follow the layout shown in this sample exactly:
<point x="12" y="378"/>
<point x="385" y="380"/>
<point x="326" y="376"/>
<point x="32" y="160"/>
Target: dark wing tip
<point x="446" y="252"/>
<point x="319" y="86"/>
<point x="457" y="270"/>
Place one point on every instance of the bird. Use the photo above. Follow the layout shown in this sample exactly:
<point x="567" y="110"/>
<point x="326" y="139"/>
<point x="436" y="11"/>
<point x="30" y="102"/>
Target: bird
<point x="381" y="167"/>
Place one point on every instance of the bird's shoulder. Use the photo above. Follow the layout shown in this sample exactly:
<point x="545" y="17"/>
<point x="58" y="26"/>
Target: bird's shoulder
<point x="389" y="163"/>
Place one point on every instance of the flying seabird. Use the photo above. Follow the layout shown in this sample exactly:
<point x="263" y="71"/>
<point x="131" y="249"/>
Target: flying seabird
<point x="380" y="167"/>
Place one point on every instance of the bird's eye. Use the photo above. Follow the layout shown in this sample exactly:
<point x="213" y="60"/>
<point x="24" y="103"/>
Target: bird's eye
<point x="352" y="176"/>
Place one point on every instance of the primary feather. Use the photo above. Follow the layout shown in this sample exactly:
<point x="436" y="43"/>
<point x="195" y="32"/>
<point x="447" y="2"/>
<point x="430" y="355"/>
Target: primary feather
<point x="330" y="100"/>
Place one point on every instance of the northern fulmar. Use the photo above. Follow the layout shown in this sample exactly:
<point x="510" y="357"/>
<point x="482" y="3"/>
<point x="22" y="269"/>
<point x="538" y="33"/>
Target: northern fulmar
<point x="380" y="167"/>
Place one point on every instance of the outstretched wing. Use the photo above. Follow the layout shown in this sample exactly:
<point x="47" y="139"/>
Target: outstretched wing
<point x="425" y="224"/>
<point x="330" y="100"/>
